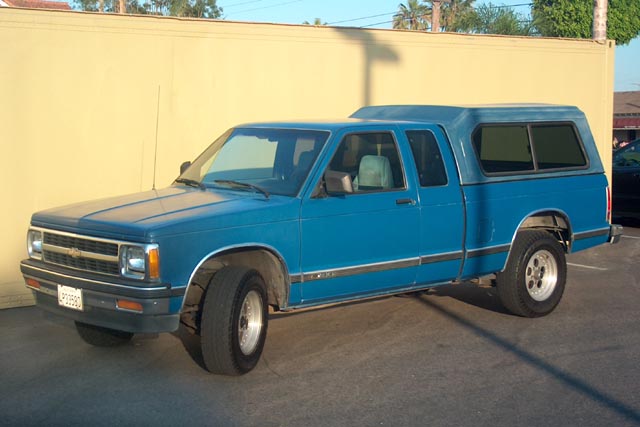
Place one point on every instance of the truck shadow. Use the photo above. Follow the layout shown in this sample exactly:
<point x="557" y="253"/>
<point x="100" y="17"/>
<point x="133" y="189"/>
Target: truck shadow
<point x="478" y="295"/>
<point x="482" y="296"/>
<point x="538" y="363"/>
<point x="191" y="343"/>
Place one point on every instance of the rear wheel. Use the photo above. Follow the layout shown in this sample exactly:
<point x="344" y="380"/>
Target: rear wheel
<point x="102" y="337"/>
<point x="533" y="282"/>
<point x="234" y="321"/>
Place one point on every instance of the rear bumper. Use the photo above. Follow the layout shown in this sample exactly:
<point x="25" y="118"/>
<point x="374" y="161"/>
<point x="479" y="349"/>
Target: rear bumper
<point x="160" y="304"/>
<point x="615" y="231"/>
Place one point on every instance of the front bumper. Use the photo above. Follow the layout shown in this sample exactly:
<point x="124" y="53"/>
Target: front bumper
<point x="160" y="302"/>
<point x="615" y="231"/>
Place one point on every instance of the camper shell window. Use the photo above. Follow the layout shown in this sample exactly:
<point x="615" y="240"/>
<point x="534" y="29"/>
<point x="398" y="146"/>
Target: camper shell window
<point x="528" y="148"/>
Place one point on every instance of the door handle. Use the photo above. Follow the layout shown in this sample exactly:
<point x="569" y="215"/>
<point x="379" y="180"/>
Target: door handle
<point x="405" y="202"/>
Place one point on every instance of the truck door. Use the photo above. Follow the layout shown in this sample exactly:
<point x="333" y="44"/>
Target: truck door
<point x="364" y="242"/>
<point x="441" y="206"/>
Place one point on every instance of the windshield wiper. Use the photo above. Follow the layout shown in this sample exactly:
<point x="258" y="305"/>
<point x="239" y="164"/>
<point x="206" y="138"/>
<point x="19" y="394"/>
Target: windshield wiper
<point x="191" y="183"/>
<point x="242" y="185"/>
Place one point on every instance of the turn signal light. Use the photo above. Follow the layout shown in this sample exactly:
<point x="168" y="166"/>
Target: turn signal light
<point x="129" y="305"/>
<point x="32" y="283"/>
<point x="154" y="264"/>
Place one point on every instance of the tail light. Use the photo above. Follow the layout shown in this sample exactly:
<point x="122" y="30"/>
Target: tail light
<point x="608" y="205"/>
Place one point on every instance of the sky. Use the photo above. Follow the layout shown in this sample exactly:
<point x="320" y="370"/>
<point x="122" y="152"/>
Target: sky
<point x="379" y="13"/>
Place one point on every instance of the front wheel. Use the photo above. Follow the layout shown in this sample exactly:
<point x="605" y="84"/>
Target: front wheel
<point x="234" y="321"/>
<point x="533" y="282"/>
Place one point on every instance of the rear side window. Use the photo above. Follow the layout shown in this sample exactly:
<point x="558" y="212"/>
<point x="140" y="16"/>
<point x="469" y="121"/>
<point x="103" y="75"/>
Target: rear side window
<point x="428" y="158"/>
<point x="557" y="146"/>
<point x="503" y="149"/>
<point x="525" y="148"/>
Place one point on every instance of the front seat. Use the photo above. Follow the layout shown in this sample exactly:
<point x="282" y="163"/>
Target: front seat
<point x="374" y="173"/>
<point x="302" y="169"/>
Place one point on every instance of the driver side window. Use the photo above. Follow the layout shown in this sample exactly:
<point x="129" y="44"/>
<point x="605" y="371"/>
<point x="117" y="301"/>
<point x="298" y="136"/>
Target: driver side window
<point x="371" y="161"/>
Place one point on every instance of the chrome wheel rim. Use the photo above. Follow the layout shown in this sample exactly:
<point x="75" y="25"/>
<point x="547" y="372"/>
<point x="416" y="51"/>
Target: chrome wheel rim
<point x="250" y="323"/>
<point x="541" y="275"/>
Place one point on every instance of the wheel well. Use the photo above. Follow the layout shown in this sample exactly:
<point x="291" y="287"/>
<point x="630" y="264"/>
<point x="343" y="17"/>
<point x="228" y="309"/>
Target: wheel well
<point x="555" y="223"/>
<point x="268" y="264"/>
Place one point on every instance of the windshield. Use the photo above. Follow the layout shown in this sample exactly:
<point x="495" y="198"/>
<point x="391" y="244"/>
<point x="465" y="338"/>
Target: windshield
<point x="275" y="161"/>
<point x="629" y="155"/>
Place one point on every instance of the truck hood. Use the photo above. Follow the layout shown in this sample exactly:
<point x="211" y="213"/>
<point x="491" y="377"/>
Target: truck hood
<point x="172" y="210"/>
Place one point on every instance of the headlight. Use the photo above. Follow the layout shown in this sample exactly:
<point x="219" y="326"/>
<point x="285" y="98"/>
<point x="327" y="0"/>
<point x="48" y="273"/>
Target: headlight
<point x="34" y="243"/>
<point x="139" y="262"/>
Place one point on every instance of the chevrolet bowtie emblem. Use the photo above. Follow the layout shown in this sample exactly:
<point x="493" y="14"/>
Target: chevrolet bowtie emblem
<point x="74" y="252"/>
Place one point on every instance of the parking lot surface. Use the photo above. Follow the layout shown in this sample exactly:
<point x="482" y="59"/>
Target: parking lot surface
<point x="450" y="356"/>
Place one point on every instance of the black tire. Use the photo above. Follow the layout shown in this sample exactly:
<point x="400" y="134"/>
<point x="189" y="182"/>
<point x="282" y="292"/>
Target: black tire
<point x="533" y="282"/>
<point x="102" y="337"/>
<point x="230" y="344"/>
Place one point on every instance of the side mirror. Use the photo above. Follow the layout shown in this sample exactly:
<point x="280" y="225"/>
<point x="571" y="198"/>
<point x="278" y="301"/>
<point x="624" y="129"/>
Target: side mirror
<point x="338" y="183"/>
<point x="184" y="167"/>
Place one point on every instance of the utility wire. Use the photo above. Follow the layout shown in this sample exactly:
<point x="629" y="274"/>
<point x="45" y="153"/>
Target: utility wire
<point x="394" y="13"/>
<point x="360" y="19"/>
<point x="240" y="3"/>
<point x="377" y="23"/>
<point x="347" y="20"/>
<point x="507" y="6"/>
<point x="266" y="7"/>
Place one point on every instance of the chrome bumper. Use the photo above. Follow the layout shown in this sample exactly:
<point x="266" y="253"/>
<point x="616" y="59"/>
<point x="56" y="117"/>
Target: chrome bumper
<point x="615" y="231"/>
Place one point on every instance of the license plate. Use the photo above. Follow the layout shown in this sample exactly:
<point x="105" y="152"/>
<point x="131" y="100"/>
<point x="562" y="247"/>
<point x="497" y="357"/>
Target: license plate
<point x="70" y="297"/>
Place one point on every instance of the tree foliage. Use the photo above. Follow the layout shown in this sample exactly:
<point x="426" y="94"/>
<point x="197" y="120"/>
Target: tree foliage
<point x="183" y="8"/>
<point x="412" y="16"/>
<point x="574" y="18"/>
<point x="316" y="21"/>
<point x="461" y="16"/>
<point x="491" y="19"/>
<point x="454" y="13"/>
<point x="551" y="18"/>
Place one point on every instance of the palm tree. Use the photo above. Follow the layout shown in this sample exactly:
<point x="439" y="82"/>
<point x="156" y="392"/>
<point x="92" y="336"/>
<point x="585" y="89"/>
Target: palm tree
<point x="316" y="21"/>
<point x="454" y="11"/>
<point x="413" y="16"/>
<point x="435" y="14"/>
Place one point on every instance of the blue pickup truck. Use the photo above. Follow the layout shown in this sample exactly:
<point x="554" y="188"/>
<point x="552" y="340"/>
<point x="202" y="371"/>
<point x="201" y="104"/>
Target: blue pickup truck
<point x="392" y="200"/>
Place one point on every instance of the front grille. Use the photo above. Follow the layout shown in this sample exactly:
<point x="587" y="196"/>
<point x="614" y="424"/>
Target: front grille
<point x="95" y="246"/>
<point x="87" y="264"/>
<point x="81" y="253"/>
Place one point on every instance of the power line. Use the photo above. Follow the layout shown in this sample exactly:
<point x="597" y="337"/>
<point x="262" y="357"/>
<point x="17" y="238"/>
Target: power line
<point x="346" y="20"/>
<point x="360" y="19"/>
<point x="240" y="3"/>
<point x="266" y="7"/>
<point x="377" y="23"/>
<point x="507" y="6"/>
<point x="394" y="13"/>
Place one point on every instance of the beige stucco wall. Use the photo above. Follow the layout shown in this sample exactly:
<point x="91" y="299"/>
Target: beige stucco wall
<point x="80" y="94"/>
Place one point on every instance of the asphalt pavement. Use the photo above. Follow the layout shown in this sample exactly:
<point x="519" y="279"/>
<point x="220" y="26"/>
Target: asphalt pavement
<point x="448" y="357"/>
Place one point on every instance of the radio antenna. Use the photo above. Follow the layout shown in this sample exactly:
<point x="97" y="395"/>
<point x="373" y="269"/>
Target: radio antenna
<point x="155" y="154"/>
